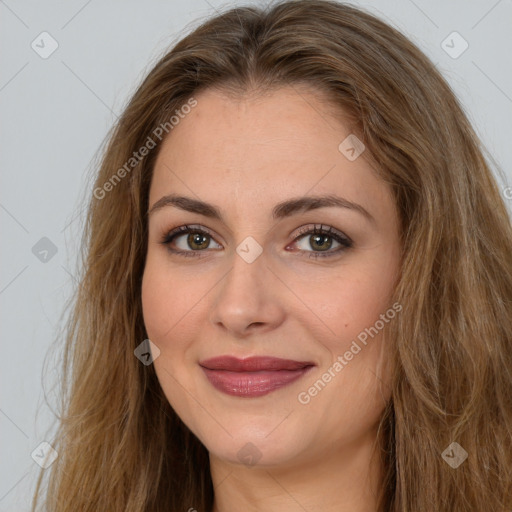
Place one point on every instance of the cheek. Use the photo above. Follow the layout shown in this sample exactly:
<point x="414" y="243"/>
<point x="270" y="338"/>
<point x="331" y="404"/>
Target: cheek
<point x="167" y="308"/>
<point x="350" y="302"/>
<point x="355" y="390"/>
<point x="156" y="298"/>
<point x="355" y="304"/>
<point x="174" y="306"/>
<point x="169" y="300"/>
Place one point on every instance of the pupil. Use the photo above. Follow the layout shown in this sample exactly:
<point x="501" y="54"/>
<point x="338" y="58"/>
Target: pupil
<point x="318" y="240"/>
<point x="197" y="240"/>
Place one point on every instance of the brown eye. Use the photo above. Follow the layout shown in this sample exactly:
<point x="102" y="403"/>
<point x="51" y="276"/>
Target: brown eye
<point x="319" y="240"/>
<point x="198" y="241"/>
<point x="188" y="239"/>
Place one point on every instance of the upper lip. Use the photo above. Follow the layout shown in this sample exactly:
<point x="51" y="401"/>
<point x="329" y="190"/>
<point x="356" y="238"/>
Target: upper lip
<point x="252" y="364"/>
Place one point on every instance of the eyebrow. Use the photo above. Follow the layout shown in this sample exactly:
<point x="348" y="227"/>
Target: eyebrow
<point x="280" y="211"/>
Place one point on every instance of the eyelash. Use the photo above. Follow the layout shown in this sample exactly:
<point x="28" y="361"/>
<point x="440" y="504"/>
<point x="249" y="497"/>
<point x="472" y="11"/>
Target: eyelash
<point x="343" y="240"/>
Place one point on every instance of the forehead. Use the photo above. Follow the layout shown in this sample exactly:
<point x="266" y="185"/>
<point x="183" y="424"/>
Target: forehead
<point x="260" y="148"/>
<point x="271" y="121"/>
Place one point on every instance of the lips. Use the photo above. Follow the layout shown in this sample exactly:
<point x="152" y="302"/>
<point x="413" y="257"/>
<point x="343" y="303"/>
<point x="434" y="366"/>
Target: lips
<point x="254" y="376"/>
<point x="253" y="364"/>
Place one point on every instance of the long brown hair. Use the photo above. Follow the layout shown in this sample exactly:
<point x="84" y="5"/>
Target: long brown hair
<point x="121" y="446"/>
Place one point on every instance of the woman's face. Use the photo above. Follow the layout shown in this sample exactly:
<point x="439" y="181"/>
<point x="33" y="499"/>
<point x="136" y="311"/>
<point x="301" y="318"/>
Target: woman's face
<point x="296" y="316"/>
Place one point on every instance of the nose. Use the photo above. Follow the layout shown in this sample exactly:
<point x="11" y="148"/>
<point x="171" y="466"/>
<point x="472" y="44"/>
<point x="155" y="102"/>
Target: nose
<point x="249" y="299"/>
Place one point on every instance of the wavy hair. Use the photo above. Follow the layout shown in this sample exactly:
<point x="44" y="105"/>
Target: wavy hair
<point x="122" y="447"/>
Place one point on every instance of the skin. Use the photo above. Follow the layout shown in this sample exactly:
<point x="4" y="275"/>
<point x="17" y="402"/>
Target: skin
<point x="244" y="156"/>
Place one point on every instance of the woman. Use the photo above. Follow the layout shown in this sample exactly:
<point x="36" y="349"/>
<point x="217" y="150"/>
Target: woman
<point x="296" y="289"/>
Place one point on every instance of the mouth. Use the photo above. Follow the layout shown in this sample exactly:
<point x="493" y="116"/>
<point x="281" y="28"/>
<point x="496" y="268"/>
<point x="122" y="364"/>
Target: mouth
<point x="254" y="376"/>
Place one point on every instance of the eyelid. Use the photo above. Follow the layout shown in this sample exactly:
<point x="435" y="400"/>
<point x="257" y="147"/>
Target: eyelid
<point x="320" y="228"/>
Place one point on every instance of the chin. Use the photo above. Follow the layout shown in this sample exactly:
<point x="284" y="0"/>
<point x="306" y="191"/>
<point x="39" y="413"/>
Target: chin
<point x="254" y="443"/>
<point x="244" y="451"/>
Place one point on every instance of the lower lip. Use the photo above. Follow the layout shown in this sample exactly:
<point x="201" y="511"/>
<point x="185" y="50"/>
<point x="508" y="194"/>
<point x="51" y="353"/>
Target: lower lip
<point x="252" y="384"/>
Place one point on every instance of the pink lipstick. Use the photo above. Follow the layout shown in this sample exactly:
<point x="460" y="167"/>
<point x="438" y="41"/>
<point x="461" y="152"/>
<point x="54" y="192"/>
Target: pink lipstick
<point x="254" y="376"/>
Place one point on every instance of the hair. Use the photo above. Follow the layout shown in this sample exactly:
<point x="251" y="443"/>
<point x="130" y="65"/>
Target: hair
<point x="121" y="445"/>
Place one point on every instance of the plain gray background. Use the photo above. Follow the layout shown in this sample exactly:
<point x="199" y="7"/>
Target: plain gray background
<point x="55" y="113"/>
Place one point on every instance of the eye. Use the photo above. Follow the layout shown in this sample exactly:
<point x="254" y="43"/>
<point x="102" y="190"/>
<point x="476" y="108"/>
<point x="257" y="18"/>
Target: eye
<point x="319" y="240"/>
<point x="189" y="240"/>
